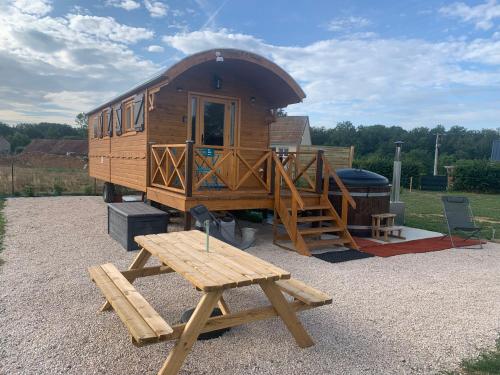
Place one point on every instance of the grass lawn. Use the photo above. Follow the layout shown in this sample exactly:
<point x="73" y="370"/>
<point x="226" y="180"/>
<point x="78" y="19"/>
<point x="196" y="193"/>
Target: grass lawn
<point x="424" y="210"/>
<point x="487" y="363"/>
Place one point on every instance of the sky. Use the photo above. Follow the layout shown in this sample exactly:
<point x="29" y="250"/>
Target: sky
<point x="406" y="63"/>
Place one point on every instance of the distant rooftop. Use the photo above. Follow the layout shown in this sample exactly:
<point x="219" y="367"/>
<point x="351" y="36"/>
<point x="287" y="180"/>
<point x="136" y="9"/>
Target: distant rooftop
<point x="288" y="130"/>
<point x="58" y="146"/>
<point x="4" y="143"/>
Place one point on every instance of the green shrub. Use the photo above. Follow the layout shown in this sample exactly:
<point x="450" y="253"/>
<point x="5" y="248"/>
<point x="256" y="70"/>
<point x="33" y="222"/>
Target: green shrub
<point x="384" y="167"/>
<point x="477" y="176"/>
<point x="29" y="190"/>
<point x="88" y="190"/>
<point x="58" y="189"/>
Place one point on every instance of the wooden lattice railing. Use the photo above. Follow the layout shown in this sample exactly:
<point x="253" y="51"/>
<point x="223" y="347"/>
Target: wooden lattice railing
<point x="298" y="167"/>
<point x="200" y="169"/>
<point x="310" y="171"/>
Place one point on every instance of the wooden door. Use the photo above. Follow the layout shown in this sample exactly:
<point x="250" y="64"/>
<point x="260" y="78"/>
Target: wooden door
<point x="213" y="122"/>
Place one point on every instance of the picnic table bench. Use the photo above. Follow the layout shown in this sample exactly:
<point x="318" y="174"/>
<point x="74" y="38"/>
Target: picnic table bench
<point x="222" y="268"/>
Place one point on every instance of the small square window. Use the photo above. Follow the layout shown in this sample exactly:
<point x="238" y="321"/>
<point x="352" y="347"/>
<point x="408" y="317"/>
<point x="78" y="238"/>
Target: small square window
<point x="129" y="116"/>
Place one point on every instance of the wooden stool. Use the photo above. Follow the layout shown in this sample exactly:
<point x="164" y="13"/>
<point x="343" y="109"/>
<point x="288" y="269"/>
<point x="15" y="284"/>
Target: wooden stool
<point x="384" y="223"/>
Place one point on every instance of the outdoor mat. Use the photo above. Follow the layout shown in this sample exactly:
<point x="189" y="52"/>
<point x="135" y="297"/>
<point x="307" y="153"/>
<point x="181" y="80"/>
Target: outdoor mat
<point x="415" y="246"/>
<point x="342" y="256"/>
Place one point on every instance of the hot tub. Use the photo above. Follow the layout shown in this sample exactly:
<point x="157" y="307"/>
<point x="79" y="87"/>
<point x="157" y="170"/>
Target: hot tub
<point x="370" y="191"/>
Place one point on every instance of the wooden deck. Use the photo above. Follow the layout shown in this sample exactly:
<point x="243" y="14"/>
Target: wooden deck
<point x="236" y="178"/>
<point x="223" y="199"/>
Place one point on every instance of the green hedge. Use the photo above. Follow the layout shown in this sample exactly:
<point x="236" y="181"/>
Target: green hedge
<point x="477" y="176"/>
<point x="384" y="167"/>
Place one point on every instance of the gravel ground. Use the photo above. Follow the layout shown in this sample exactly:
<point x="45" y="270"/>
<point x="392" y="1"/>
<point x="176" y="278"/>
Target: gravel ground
<point x="409" y="314"/>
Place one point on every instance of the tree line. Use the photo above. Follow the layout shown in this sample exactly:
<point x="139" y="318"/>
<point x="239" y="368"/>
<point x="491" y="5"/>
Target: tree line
<point x="19" y="136"/>
<point x="376" y="142"/>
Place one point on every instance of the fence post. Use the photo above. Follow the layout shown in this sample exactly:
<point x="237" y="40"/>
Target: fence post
<point x="189" y="168"/>
<point x="12" y="177"/>
<point x="319" y="171"/>
<point x="273" y="169"/>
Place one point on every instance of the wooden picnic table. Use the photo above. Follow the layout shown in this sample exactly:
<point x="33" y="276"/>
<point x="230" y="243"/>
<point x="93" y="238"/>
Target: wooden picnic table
<point x="221" y="268"/>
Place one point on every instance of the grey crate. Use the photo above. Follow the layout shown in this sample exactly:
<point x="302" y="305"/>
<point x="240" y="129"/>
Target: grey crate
<point x="127" y="220"/>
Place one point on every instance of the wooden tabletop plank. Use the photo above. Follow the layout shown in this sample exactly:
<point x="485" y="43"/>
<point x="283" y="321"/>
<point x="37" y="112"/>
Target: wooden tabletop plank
<point x="226" y="251"/>
<point x="224" y="266"/>
<point x="191" y="274"/>
<point x="239" y="255"/>
<point x="209" y="259"/>
<point x="243" y="268"/>
<point x="201" y="264"/>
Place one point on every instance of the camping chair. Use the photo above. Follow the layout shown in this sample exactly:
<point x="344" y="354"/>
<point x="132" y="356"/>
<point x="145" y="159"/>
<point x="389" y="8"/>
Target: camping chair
<point x="201" y="214"/>
<point x="459" y="218"/>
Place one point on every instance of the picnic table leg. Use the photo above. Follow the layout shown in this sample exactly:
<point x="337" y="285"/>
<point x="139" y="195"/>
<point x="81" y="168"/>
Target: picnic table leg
<point x="223" y="306"/>
<point x="191" y="331"/>
<point x="139" y="262"/>
<point x="288" y="316"/>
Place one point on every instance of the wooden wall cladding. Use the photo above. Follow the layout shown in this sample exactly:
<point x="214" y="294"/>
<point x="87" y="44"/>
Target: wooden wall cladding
<point x="169" y="120"/>
<point x="119" y="159"/>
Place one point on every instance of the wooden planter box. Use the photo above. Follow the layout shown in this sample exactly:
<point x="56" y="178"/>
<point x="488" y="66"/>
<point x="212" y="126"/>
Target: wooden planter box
<point x="127" y="220"/>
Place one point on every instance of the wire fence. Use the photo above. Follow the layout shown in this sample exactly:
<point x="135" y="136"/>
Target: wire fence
<point x="36" y="177"/>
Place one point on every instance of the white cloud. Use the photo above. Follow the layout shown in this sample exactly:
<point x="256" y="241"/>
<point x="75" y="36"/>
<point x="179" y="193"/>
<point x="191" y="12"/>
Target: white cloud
<point x="155" y="48"/>
<point x="107" y="28"/>
<point x="55" y="67"/>
<point x="156" y="9"/>
<point x="347" y="24"/>
<point x="482" y="15"/>
<point x="409" y="81"/>
<point x="37" y="7"/>
<point x="124" y="4"/>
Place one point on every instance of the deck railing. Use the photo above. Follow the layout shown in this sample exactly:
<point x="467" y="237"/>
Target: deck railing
<point x="310" y="172"/>
<point x="203" y="169"/>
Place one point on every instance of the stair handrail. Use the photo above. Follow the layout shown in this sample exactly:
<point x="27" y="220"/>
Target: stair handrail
<point x="288" y="181"/>
<point x="338" y="181"/>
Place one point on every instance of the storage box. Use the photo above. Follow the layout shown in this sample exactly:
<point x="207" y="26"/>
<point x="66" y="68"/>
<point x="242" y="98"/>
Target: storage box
<point x="127" y="220"/>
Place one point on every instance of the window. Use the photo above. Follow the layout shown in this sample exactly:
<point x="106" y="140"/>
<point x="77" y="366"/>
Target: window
<point x="95" y="126"/>
<point x="232" y="123"/>
<point x="128" y="116"/>
<point x="194" y="108"/>
<point x="105" y="123"/>
<point x="282" y="153"/>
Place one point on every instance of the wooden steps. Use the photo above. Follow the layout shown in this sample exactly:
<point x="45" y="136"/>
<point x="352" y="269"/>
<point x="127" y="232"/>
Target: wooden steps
<point x="317" y="244"/>
<point x="320" y="230"/>
<point x="309" y="230"/>
<point x="303" y="292"/>
<point x="306" y="219"/>
<point x="307" y="214"/>
<point x="142" y="321"/>
<point x="312" y="207"/>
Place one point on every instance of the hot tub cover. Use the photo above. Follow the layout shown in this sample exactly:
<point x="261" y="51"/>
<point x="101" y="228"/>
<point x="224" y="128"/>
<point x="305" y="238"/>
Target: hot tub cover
<point x="361" y="178"/>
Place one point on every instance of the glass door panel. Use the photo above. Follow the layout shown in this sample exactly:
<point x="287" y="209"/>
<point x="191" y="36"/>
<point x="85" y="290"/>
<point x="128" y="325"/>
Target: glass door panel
<point x="214" y="117"/>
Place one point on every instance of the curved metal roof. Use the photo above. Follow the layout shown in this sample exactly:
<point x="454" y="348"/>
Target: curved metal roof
<point x="212" y="55"/>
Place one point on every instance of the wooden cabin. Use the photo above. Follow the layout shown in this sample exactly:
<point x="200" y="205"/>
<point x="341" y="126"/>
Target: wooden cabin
<point x="199" y="132"/>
